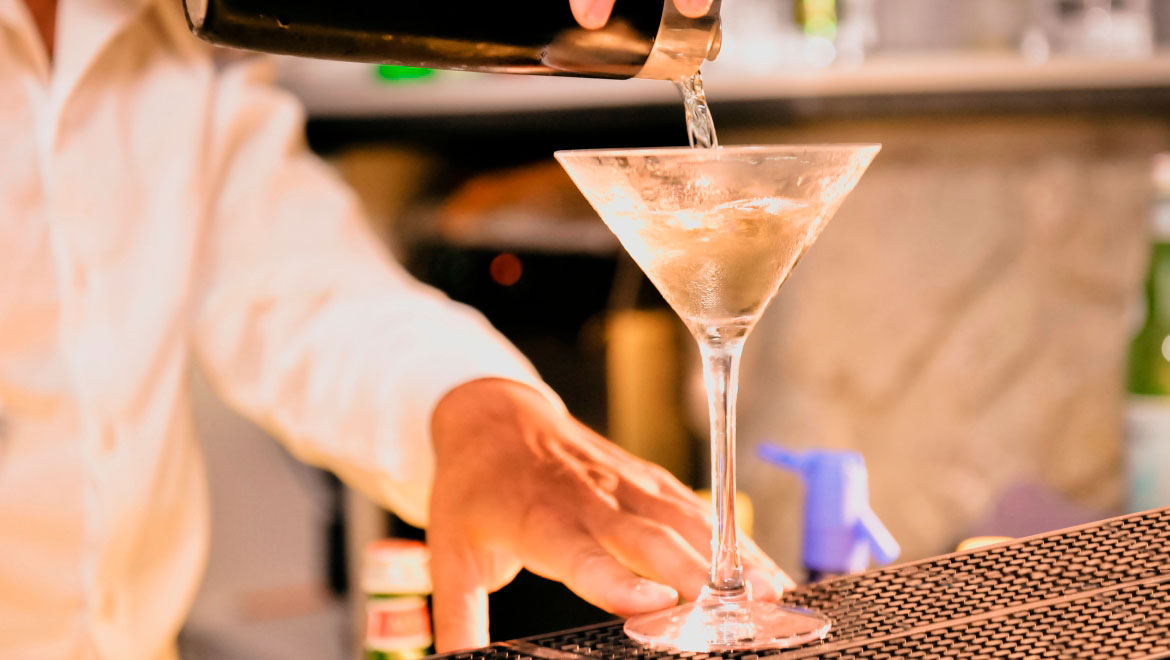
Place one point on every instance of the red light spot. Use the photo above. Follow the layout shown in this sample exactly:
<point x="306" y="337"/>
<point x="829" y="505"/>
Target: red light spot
<point x="506" y="269"/>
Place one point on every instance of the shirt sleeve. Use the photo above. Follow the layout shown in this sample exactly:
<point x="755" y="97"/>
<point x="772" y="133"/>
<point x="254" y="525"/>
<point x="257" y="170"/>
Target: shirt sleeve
<point x="304" y="323"/>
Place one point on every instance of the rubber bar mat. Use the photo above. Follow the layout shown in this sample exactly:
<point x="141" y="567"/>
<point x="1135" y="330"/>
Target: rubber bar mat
<point x="1095" y="591"/>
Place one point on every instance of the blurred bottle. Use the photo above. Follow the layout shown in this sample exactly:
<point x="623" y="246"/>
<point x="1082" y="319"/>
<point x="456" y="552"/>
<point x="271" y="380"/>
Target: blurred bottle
<point x="816" y="17"/>
<point x="1147" y="415"/>
<point x="396" y="580"/>
<point x="643" y="382"/>
<point x="817" y="20"/>
<point x="1089" y="28"/>
<point x="835" y="31"/>
<point x="857" y="31"/>
<point x="761" y="38"/>
<point x="643" y="38"/>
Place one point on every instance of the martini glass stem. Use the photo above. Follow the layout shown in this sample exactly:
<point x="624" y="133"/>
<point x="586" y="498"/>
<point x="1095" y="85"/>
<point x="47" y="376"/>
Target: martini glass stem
<point x="721" y="374"/>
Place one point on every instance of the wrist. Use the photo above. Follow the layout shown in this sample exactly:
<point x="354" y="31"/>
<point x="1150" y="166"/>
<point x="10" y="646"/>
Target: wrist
<point x="472" y="406"/>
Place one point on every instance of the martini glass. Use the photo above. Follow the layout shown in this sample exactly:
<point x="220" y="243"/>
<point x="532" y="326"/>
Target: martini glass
<point x="718" y="231"/>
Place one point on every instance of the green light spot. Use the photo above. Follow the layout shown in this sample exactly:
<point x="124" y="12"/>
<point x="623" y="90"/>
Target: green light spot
<point x="395" y="73"/>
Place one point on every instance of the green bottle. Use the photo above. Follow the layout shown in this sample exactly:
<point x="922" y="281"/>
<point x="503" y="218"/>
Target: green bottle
<point x="1147" y="415"/>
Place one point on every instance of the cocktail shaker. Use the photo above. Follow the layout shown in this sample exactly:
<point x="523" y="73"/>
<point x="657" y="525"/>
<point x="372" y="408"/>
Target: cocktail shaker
<point x="643" y="38"/>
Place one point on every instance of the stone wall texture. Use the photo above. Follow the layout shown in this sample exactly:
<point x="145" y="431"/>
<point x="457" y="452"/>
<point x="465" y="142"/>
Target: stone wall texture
<point x="963" y="321"/>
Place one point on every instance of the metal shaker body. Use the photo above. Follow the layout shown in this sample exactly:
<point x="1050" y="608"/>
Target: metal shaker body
<point x="643" y="38"/>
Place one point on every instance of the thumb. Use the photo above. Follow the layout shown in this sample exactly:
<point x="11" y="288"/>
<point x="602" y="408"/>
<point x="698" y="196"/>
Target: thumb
<point x="459" y="597"/>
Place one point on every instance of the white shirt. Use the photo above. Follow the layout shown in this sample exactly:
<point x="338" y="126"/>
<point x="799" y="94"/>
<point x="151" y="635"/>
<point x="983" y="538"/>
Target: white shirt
<point x="153" y="209"/>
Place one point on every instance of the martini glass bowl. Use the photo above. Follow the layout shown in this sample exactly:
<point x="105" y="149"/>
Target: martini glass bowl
<point x="718" y="231"/>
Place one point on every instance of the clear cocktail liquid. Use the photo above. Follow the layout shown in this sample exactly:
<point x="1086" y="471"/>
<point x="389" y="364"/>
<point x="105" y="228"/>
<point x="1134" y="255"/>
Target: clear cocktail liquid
<point x="700" y="126"/>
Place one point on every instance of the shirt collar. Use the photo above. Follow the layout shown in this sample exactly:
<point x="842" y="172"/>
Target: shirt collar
<point x="84" y="29"/>
<point x="14" y="14"/>
<point x="16" y="19"/>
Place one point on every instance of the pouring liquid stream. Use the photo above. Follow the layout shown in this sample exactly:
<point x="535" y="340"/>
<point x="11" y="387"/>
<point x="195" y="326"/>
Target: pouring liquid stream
<point x="700" y="125"/>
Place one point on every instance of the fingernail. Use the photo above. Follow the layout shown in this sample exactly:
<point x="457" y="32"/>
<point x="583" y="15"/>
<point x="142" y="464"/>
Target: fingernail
<point x="763" y="585"/>
<point x="653" y="596"/>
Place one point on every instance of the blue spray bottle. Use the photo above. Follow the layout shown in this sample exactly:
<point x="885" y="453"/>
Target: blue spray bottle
<point x="841" y="531"/>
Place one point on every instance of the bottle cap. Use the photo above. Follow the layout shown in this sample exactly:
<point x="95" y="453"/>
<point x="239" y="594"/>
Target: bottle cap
<point x="396" y="566"/>
<point x="841" y="530"/>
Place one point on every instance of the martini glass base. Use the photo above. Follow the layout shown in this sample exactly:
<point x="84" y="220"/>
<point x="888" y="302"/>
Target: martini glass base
<point x="720" y="623"/>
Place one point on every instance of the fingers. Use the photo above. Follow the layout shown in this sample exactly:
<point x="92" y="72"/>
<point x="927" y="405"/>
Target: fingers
<point x="562" y="551"/>
<point x="688" y="517"/>
<point x="681" y="511"/>
<point x="654" y="551"/>
<point x="459" y="597"/>
<point x="600" y="579"/>
<point x="693" y="8"/>
<point x="593" y="14"/>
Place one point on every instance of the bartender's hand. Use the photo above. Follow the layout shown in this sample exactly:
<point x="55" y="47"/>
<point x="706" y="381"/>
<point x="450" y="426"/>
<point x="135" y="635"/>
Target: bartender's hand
<point x="518" y="483"/>
<point x="593" y="14"/>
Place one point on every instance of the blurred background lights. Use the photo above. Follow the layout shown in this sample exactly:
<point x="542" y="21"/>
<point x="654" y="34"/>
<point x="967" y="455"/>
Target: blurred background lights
<point x="506" y="269"/>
